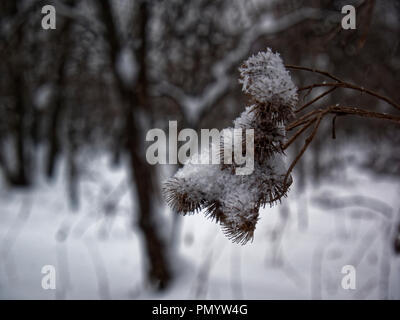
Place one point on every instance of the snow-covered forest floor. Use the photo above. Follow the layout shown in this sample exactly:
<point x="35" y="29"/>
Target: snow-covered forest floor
<point x="298" y="251"/>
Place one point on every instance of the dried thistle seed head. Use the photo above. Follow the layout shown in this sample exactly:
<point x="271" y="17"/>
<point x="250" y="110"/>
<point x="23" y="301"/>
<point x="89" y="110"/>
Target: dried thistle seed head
<point x="233" y="142"/>
<point x="273" y="191"/>
<point x="273" y="113"/>
<point x="246" y="119"/>
<point x="269" y="136"/>
<point x="213" y="211"/>
<point x="181" y="195"/>
<point x="229" y="199"/>
<point x="270" y="182"/>
<point x="268" y="141"/>
<point x="234" y="200"/>
<point x="264" y="77"/>
<point x="254" y="117"/>
<point x="239" y="223"/>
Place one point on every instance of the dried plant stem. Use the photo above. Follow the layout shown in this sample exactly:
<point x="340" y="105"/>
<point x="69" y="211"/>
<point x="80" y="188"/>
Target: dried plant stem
<point x="302" y="120"/>
<point x="306" y="144"/>
<point x="315" y="99"/>
<point x="338" y="84"/>
<point x="353" y="87"/>
<point x="327" y="74"/>
<point x="316" y="116"/>
<point x="363" y="113"/>
<point x="307" y="120"/>
<point x="299" y="132"/>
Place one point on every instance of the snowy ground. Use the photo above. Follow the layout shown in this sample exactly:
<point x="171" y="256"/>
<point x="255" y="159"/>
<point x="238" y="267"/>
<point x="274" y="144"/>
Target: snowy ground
<point x="298" y="252"/>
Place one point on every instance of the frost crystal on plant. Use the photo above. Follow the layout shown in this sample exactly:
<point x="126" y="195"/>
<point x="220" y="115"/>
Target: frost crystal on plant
<point x="265" y="78"/>
<point x="234" y="200"/>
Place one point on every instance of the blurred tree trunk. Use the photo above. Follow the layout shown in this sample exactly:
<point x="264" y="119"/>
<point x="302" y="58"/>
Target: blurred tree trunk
<point x="20" y="177"/>
<point x="135" y="100"/>
<point x="55" y="124"/>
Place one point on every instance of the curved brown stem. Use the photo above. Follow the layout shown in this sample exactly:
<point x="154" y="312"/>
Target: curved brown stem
<point x="298" y="133"/>
<point x="306" y="122"/>
<point x="306" y="144"/>
<point x="315" y="99"/>
<point x="362" y="113"/>
<point x="302" y="120"/>
<point x="338" y="83"/>
<point x="353" y="87"/>
<point x="327" y="74"/>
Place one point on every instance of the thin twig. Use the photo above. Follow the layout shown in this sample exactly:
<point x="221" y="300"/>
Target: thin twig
<point x="362" y="113"/>
<point x="327" y="74"/>
<point x="320" y="113"/>
<point x="306" y="144"/>
<point x="315" y="99"/>
<point x="353" y="87"/>
<point x="340" y="83"/>
<point x="302" y="120"/>
<point x="299" y="132"/>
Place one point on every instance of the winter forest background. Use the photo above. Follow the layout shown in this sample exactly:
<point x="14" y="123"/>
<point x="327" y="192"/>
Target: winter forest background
<point x="77" y="193"/>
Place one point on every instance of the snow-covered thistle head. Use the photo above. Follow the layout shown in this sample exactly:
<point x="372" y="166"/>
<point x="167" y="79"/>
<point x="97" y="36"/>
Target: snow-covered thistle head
<point x="264" y="77"/>
<point x="234" y="200"/>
